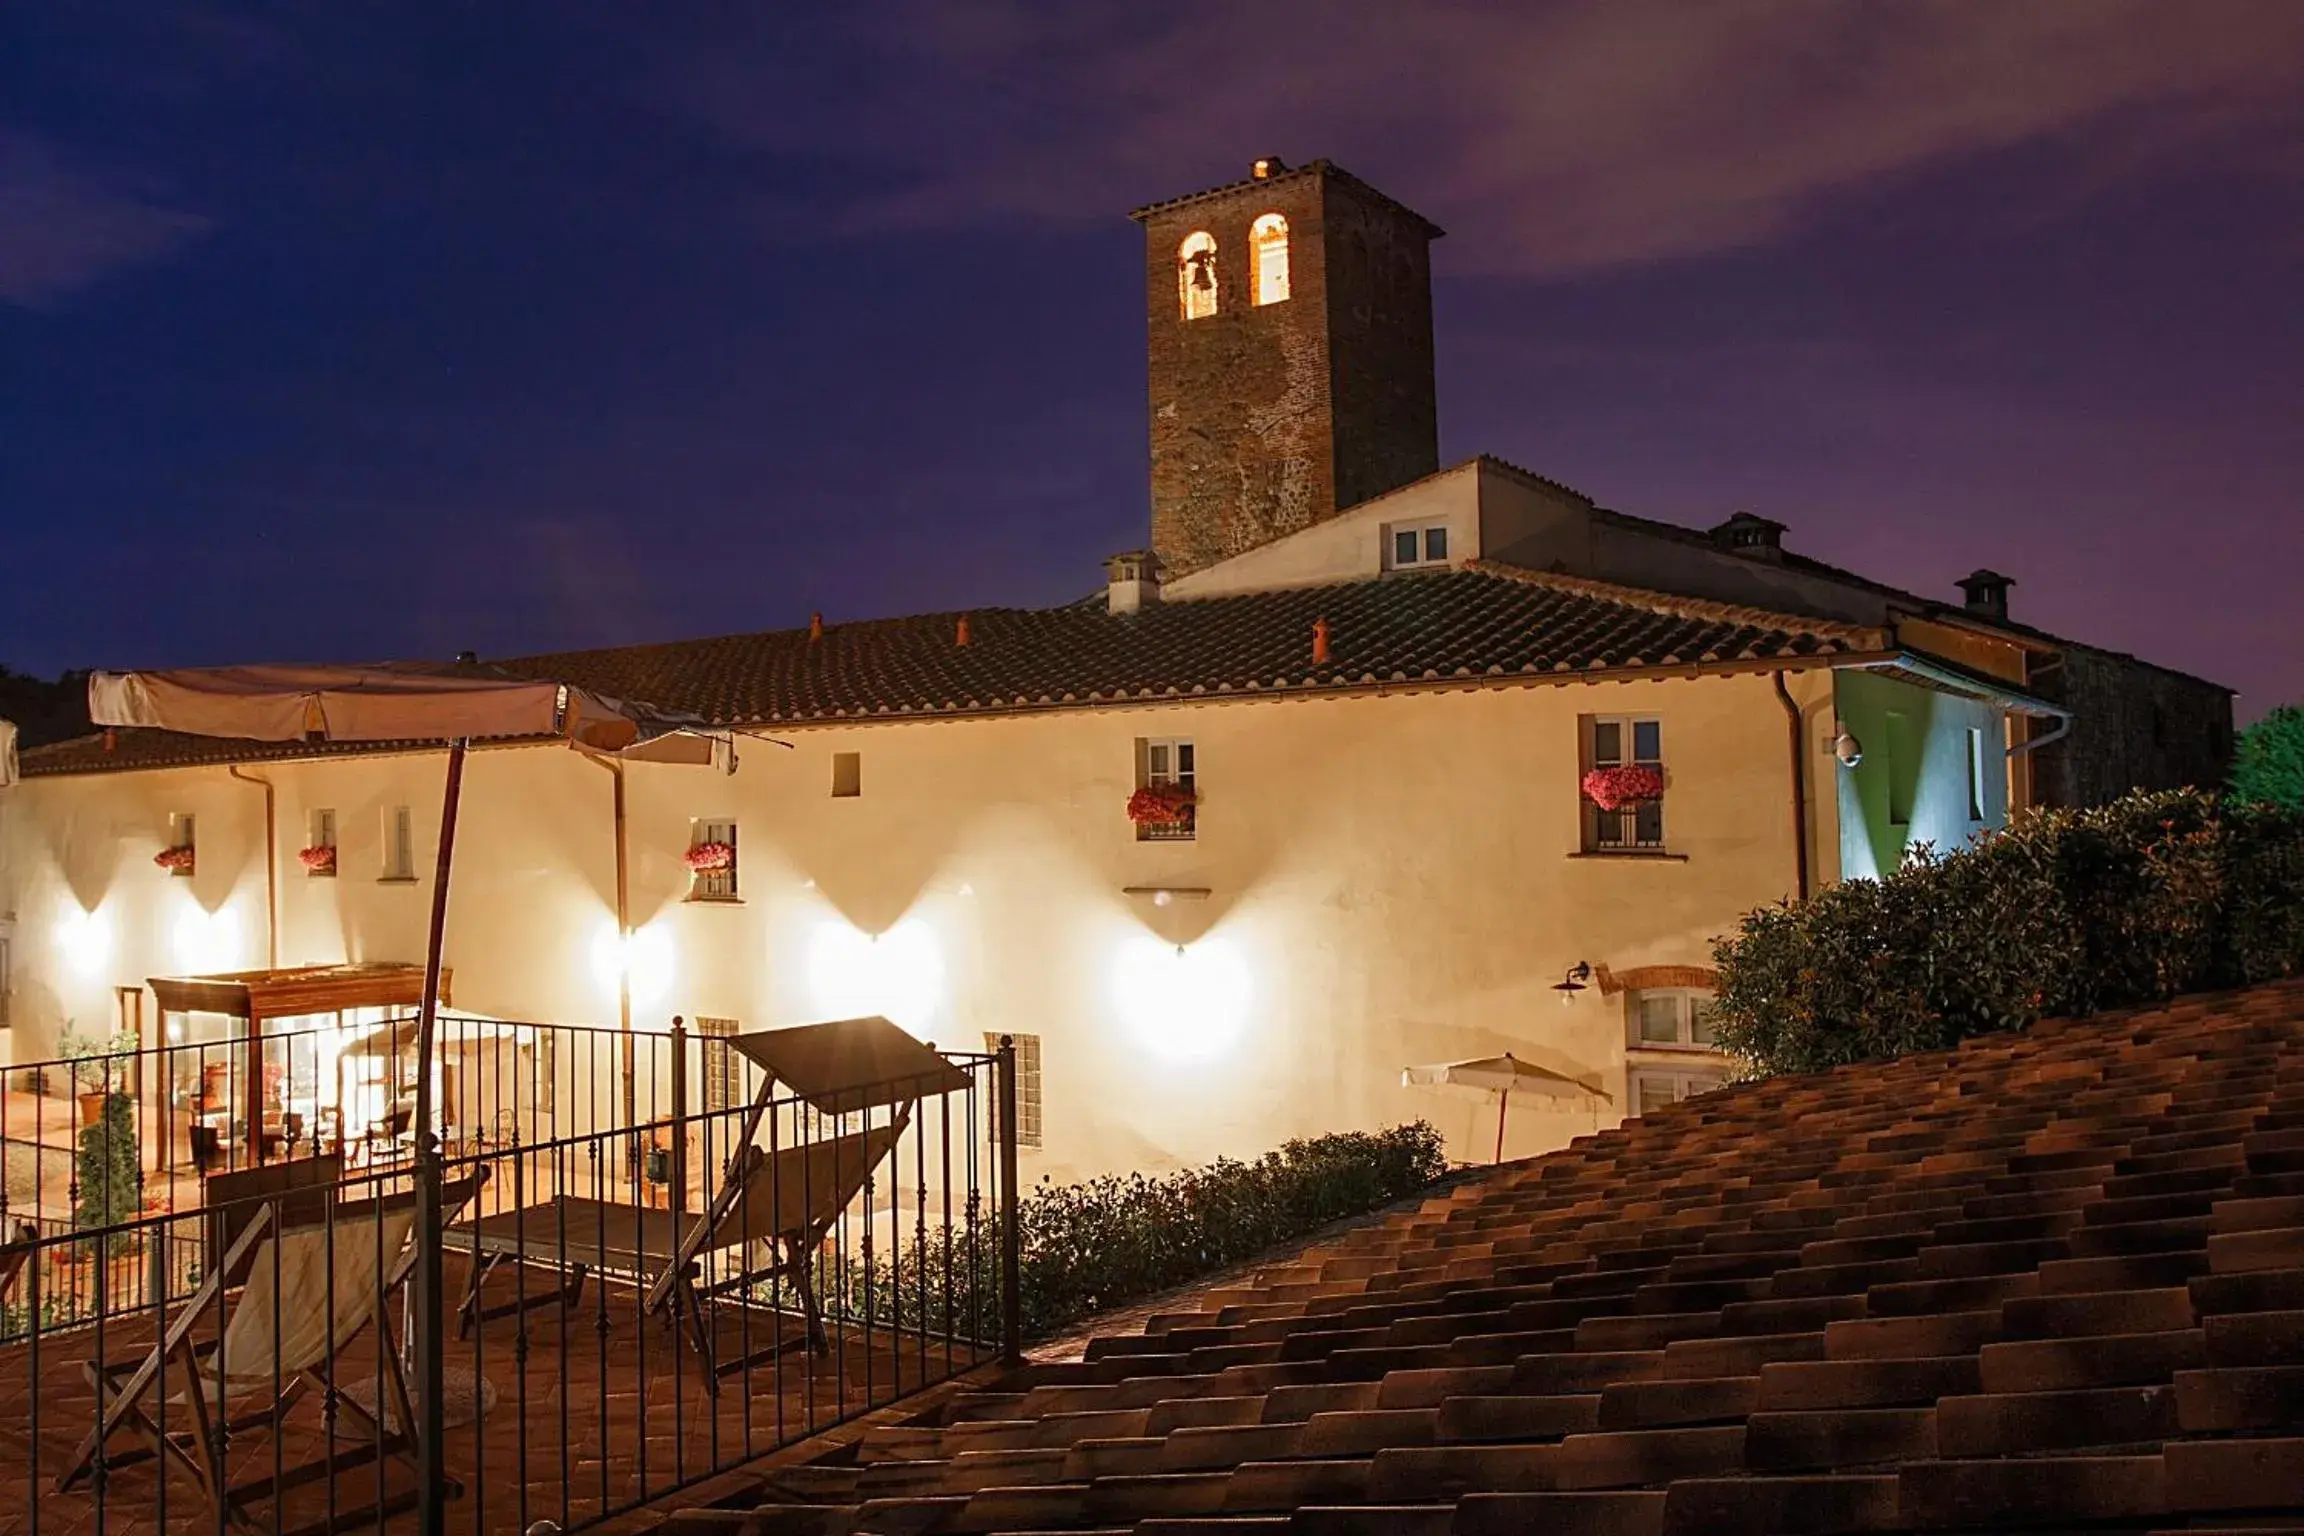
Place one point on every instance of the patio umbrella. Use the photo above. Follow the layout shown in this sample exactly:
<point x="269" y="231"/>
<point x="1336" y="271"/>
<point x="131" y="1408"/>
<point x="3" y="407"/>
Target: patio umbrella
<point x="1500" y="1075"/>
<point x="399" y="702"/>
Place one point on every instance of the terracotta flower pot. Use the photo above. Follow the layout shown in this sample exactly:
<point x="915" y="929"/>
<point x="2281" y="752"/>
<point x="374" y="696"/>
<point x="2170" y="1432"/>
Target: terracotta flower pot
<point x="92" y="1108"/>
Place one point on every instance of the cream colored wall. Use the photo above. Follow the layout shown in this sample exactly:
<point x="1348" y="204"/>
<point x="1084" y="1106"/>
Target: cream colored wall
<point x="1391" y="882"/>
<point x="1350" y="545"/>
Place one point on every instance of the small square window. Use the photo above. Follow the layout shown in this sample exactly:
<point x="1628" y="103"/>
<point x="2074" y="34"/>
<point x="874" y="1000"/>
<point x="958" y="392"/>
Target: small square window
<point x="1670" y="1018"/>
<point x="1417" y="547"/>
<point x="1652" y="1091"/>
<point x="712" y="861"/>
<point x="723" y="1067"/>
<point x="847" y="775"/>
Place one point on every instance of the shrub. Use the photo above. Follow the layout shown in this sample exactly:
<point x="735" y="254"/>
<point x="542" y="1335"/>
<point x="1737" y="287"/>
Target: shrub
<point x="110" y="1174"/>
<point x="1116" y="1239"/>
<point x="2065" y="912"/>
<point x="2268" y="764"/>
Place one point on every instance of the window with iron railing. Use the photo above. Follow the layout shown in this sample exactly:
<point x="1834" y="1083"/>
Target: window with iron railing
<point x="712" y="861"/>
<point x="1613" y="744"/>
<point x="1169" y="767"/>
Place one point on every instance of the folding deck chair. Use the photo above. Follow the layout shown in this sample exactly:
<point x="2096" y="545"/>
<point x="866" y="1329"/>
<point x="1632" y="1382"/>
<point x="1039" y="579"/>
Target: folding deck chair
<point x="302" y="1273"/>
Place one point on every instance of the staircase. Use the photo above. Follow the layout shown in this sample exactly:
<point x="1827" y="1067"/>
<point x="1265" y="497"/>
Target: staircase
<point x="2047" y="1281"/>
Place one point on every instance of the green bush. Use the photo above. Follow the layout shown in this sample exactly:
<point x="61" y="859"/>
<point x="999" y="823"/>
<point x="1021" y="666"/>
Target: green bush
<point x="1113" y="1240"/>
<point x="2268" y="763"/>
<point x="111" y="1175"/>
<point x="2065" y="912"/>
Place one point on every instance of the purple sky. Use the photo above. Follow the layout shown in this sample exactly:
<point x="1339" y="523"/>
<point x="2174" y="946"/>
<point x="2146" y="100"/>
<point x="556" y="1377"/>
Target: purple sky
<point x="354" y="331"/>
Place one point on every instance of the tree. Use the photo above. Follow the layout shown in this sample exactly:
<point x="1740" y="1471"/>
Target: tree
<point x="2268" y="767"/>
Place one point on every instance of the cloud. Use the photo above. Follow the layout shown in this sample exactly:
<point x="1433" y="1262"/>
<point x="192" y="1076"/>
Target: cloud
<point x="1569" y="136"/>
<point x="62" y="228"/>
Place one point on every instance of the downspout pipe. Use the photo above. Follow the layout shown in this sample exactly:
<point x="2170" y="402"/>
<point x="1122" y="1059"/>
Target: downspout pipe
<point x="271" y="863"/>
<point x="1799" y="741"/>
<point x="615" y="769"/>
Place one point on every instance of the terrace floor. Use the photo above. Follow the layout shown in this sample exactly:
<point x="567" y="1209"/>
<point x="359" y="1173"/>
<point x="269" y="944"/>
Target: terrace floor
<point x="594" y="1409"/>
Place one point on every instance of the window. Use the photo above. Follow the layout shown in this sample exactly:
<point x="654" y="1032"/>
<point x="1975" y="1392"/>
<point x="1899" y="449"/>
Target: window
<point x="399" y="844"/>
<point x="712" y="861"/>
<point x="1413" y="547"/>
<point x="1903" y="768"/>
<point x="1651" y="1091"/>
<point x="1975" y="774"/>
<point x="1028" y="1100"/>
<point x="320" y="844"/>
<point x="1268" y="246"/>
<point x="1196" y="275"/>
<point x="1623" y="741"/>
<point x="723" y="1067"/>
<point x="184" y="835"/>
<point x="1170" y="764"/>
<point x="847" y="775"/>
<point x="1670" y="1017"/>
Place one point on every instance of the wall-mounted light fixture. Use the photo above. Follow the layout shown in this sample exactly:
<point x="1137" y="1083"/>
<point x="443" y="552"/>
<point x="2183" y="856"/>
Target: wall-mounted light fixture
<point x="1846" y="747"/>
<point x="1573" y="982"/>
<point x="1166" y="895"/>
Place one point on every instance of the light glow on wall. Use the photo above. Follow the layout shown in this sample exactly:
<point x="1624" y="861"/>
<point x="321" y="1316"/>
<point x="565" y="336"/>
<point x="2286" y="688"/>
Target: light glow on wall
<point x="85" y="940"/>
<point x="646" y="959"/>
<point x="205" y="943"/>
<point x="1183" y="1003"/>
<point x="898" y="974"/>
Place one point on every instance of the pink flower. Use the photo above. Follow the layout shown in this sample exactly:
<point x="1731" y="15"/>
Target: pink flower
<point x="1611" y="788"/>
<point x="320" y="858"/>
<point x="710" y="858"/>
<point x="177" y="861"/>
<point x="1160" y="805"/>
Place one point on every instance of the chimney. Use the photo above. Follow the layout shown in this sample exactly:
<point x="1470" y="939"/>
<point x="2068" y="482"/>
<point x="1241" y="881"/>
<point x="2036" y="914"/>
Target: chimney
<point x="1267" y="168"/>
<point x="1134" y="581"/>
<point x="1752" y="536"/>
<point x="1986" y="592"/>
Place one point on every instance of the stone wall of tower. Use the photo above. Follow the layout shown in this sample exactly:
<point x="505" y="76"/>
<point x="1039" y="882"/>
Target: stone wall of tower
<point x="1267" y="418"/>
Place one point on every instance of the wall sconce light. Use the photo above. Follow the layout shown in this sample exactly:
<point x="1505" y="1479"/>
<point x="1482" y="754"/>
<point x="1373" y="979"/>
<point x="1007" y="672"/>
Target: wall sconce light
<point x="1846" y="747"/>
<point x="1165" y="895"/>
<point x="1573" y="982"/>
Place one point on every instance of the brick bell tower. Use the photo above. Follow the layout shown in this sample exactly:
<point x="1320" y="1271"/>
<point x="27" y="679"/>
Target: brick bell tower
<point x="1291" y="356"/>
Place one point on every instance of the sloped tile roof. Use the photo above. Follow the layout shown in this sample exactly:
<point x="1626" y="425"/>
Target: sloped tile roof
<point x="1483" y="622"/>
<point x="2048" y="1280"/>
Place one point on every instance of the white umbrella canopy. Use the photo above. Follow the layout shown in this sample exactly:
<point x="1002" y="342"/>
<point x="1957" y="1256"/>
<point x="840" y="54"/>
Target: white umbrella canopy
<point x="1503" y="1076"/>
<point x="387" y="701"/>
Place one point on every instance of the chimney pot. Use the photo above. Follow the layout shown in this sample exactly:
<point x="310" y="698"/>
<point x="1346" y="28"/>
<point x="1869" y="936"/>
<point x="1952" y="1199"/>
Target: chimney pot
<point x="1267" y="168"/>
<point x="960" y="631"/>
<point x="1985" y="592"/>
<point x="1320" y="640"/>
<point x="1133" y="581"/>
<point x="816" y="626"/>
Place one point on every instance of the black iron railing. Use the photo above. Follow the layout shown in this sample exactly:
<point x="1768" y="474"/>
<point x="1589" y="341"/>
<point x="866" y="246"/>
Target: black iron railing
<point x="628" y="1308"/>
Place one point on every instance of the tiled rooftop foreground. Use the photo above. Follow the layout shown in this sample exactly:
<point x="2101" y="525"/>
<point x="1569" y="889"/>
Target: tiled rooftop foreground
<point x="2048" y="1281"/>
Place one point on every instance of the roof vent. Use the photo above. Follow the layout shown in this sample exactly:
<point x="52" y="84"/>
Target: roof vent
<point x="1267" y="168"/>
<point x="1134" y="581"/>
<point x="1752" y="536"/>
<point x="1986" y="592"/>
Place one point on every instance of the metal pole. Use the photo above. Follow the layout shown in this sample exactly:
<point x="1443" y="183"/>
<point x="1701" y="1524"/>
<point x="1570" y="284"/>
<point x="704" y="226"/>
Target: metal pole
<point x="1503" y="1107"/>
<point x="1011" y="1237"/>
<point x="428" y="1337"/>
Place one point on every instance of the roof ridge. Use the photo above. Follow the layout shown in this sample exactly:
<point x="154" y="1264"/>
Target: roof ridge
<point x="1673" y="605"/>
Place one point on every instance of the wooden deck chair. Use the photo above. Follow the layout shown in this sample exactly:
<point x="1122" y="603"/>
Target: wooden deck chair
<point x="305" y="1273"/>
<point x="787" y="1200"/>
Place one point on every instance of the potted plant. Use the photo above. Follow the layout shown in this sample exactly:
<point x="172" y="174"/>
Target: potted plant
<point x="1161" y="805"/>
<point x="1631" y="784"/>
<point x="319" y="859"/>
<point x="99" y="1066"/>
<point x="108" y="1171"/>
<point x="178" y="860"/>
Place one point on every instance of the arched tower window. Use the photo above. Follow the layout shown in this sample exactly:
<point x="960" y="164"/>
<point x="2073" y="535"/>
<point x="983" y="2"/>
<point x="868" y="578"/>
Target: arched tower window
<point x="1196" y="275"/>
<point x="1268" y="240"/>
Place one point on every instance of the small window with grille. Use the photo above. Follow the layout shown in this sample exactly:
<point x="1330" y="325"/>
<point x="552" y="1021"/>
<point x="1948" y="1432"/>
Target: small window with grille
<point x="1622" y="789"/>
<point x="723" y="1067"/>
<point x="712" y="861"/>
<point x="1651" y="1091"/>
<point x="1028" y="1101"/>
<point x="1166" y="807"/>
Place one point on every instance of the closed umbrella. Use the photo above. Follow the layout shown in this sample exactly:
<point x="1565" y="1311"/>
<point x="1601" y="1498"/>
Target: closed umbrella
<point x="1501" y="1075"/>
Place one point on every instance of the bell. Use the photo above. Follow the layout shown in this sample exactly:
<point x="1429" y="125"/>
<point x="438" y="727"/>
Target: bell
<point x="1202" y="278"/>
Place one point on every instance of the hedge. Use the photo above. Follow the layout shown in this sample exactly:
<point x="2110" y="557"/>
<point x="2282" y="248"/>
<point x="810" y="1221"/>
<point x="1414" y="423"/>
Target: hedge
<point x="1117" y="1239"/>
<point x="2063" y="913"/>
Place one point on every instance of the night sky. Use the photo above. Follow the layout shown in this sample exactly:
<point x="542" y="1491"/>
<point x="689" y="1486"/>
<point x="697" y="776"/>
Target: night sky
<point x="349" y="331"/>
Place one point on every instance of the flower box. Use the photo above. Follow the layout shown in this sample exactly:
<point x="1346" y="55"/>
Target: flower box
<point x="1632" y="784"/>
<point x="319" y="859"/>
<point x="177" y="861"/>
<point x="711" y="858"/>
<point x="1161" y="805"/>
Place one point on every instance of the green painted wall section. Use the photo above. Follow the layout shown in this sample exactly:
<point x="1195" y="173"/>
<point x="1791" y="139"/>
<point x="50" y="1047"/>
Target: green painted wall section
<point x="1913" y="785"/>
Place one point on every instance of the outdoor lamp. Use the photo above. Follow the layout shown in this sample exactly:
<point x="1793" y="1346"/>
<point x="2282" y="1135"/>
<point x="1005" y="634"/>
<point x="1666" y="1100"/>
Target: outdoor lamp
<point x="1847" y="748"/>
<point x="1572" y="983"/>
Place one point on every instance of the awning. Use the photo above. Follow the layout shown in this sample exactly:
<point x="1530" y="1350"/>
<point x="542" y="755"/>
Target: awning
<point x="296" y="990"/>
